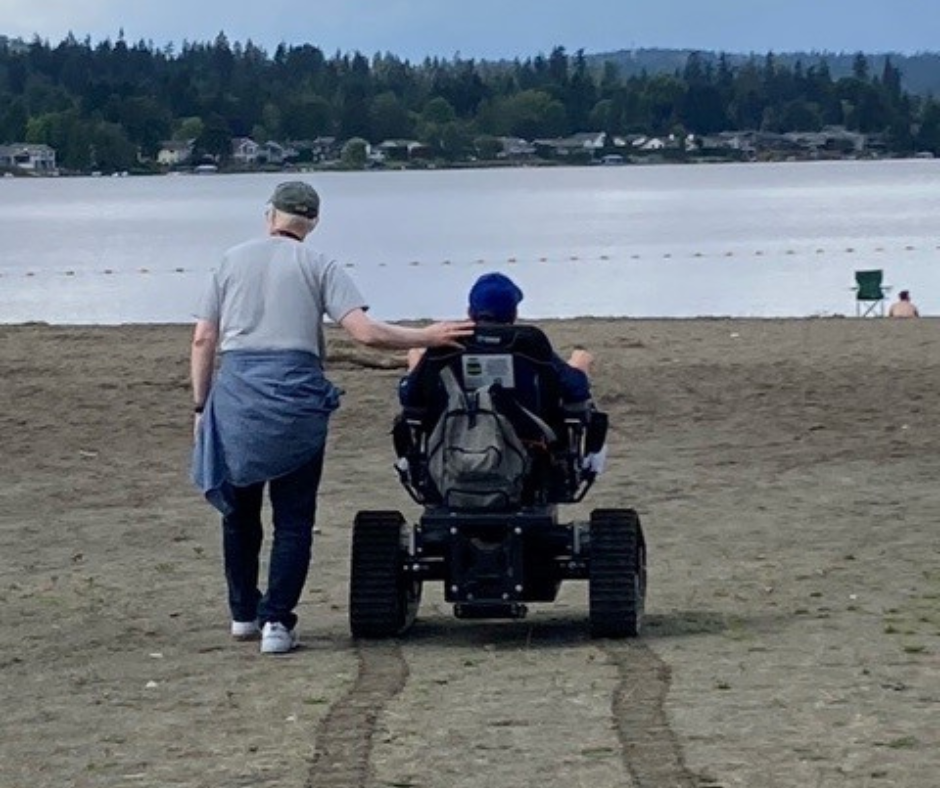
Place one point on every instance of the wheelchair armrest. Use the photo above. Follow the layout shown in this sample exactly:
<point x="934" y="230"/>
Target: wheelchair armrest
<point x="409" y="432"/>
<point x="414" y="413"/>
<point x="402" y="437"/>
<point x="409" y="439"/>
<point x="595" y="435"/>
<point x="578" y="410"/>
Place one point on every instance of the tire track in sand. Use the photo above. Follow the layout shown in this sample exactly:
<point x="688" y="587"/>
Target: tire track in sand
<point x="651" y="752"/>
<point x="650" y="749"/>
<point x="344" y="735"/>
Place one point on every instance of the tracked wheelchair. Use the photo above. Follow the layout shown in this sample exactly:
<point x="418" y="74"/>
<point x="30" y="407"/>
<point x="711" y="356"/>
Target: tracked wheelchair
<point x="494" y="556"/>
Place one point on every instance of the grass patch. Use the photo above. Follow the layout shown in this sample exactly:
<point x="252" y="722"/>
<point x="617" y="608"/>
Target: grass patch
<point x="598" y="752"/>
<point x="902" y="743"/>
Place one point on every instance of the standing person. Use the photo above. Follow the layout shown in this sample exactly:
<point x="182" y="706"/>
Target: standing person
<point x="903" y="306"/>
<point x="263" y="418"/>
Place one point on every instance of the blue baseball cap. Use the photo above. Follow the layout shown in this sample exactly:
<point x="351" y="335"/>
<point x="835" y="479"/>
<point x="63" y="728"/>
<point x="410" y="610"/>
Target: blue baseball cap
<point x="494" y="297"/>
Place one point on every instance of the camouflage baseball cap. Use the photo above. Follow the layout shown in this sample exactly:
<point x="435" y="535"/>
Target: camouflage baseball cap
<point x="298" y="198"/>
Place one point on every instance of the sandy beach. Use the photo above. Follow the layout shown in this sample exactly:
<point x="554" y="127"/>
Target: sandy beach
<point x="786" y="473"/>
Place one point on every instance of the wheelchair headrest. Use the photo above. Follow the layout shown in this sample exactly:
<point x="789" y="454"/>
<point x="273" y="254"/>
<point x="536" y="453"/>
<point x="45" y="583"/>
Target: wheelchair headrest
<point x="518" y="357"/>
<point x="528" y="341"/>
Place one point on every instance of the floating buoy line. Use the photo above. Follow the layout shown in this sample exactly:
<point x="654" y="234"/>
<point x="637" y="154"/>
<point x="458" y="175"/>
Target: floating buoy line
<point x="12" y="273"/>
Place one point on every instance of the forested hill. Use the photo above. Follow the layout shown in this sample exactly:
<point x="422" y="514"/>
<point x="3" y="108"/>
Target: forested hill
<point x="920" y="73"/>
<point x="114" y="105"/>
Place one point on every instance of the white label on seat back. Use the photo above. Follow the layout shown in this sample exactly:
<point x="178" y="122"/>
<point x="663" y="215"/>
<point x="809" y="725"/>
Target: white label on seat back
<point x="481" y="370"/>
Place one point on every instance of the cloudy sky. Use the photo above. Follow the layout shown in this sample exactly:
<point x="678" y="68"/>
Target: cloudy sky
<point x="495" y="28"/>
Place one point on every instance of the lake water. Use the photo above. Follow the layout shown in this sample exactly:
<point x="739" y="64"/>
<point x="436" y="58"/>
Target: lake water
<point x="762" y="240"/>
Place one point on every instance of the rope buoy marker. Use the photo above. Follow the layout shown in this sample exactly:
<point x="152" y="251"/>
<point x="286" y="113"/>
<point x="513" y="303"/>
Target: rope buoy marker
<point x="512" y="260"/>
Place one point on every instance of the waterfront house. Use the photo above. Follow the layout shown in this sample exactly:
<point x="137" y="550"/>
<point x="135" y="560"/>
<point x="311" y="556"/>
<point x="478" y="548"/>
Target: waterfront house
<point x="174" y="152"/>
<point x="245" y="150"/>
<point x="316" y="150"/>
<point x="515" y="149"/>
<point x="272" y="152"/>
<point x="38" y="159"/>
<point x="583" y="143"/>
<point x="651" y="144"/>
<point x="401" y="150"/>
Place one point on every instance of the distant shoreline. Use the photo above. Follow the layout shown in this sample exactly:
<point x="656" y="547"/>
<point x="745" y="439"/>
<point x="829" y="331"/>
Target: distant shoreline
<point x="649" y="161"/>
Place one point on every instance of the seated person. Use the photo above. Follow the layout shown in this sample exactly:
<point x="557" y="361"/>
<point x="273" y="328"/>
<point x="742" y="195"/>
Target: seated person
<point x="494" y="298"/>
<point x="903" y="307"/>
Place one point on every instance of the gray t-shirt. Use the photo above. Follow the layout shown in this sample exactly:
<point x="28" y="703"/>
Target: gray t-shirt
<point x="272" y="294"/>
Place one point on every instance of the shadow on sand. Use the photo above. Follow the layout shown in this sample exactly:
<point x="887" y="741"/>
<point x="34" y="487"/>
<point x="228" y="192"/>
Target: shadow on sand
<point x="571" y="629"/>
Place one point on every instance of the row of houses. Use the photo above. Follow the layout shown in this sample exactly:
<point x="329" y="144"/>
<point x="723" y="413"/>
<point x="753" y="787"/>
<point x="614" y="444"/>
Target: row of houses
<point x="248" y="153"/>
<point x="831" y="140"/>
<point x="747" y="144"/>
<point x="590" y="146"/>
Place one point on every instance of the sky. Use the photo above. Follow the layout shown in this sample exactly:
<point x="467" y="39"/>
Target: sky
<point x="494" y="29"/>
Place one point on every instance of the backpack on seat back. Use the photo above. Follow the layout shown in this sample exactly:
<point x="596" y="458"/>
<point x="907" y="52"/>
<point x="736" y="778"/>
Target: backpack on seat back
<point x="475" y="457"/>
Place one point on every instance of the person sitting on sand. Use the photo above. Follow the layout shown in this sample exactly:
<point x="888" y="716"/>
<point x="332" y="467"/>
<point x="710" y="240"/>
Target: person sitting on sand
<point x="903" y="306"/>
<point x="495" y="298"/>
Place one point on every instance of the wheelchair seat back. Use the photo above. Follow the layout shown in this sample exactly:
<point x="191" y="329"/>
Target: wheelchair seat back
<point x="517" y="357"/>
<point x="520" y="361"/>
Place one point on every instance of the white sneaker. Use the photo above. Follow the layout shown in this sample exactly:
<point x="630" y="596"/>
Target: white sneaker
<point x="278" y="639"/>
<point x="246" y="630"/>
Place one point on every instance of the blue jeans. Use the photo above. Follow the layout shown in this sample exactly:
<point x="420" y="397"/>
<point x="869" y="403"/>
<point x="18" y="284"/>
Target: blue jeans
<point x="294" y="506"/>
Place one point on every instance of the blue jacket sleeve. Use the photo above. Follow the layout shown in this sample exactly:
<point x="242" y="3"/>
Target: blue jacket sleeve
<point x="575" y="386"/>
<point x="404" y="391"/>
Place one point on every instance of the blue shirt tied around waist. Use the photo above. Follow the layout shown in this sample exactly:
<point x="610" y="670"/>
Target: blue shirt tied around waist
<point x="266" y="415"/>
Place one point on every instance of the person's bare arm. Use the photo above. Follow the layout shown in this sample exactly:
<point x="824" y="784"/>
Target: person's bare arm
<point x="375" y="333"/>
<point x="415" y="355"/>
<point x="202" y="359"/>
<point x="581" y="359"/>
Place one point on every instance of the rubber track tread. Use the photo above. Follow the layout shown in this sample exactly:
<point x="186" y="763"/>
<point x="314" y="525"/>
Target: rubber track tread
<point x="376" y="602"/>
<point x="616" y="609"/>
